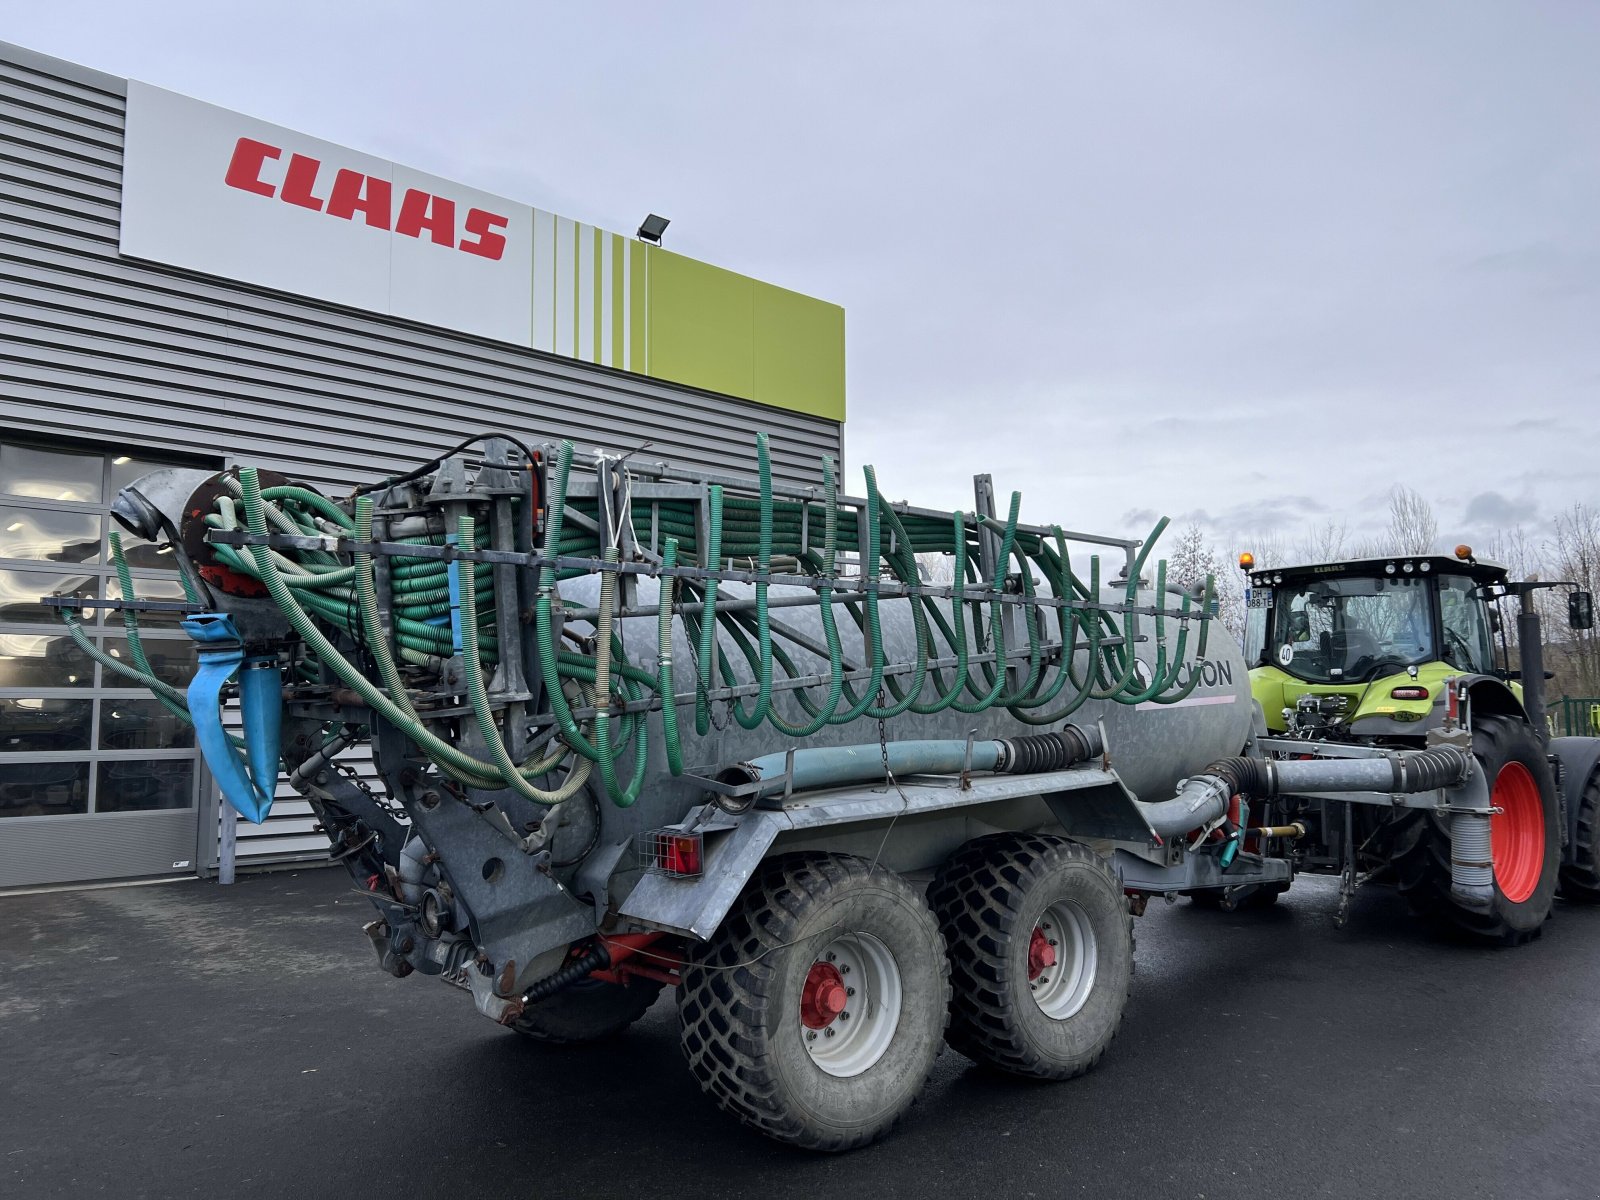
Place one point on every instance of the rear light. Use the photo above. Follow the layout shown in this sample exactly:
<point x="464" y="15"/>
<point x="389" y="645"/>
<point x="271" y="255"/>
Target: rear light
<point x="1409" y="693"/>
<point x="675" y="854"/>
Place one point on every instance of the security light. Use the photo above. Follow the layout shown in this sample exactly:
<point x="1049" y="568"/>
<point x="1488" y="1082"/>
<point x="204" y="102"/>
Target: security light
<point x="651" y="229"/>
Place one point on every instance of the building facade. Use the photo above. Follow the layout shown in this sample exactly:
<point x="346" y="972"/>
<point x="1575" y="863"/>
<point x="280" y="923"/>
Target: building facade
<point x="184" y="285"/>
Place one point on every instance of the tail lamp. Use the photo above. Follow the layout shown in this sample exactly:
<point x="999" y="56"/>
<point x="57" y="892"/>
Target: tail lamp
<point x="676" y="854"/>
<point x="1409" y="692"/>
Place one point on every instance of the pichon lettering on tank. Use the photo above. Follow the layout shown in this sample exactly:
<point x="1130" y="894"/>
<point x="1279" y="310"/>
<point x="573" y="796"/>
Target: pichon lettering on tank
<point x="352" y="192"/>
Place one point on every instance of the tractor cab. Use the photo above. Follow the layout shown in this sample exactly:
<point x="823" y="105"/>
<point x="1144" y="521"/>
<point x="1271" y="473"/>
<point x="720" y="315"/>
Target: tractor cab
<point x="1363" y="647"/>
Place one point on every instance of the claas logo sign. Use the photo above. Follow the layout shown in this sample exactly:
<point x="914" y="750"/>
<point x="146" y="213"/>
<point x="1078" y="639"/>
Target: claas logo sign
<point x="304" y="181"/>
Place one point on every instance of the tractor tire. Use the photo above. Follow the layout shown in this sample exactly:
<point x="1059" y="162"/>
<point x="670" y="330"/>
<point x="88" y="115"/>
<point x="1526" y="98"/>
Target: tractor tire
<point x="587" y="1011"/>
<point x="1041" y="954"/>
<point x="1580" y="879"/>
<point x="816" y="1011"/>
<point x="1526" y="841"/>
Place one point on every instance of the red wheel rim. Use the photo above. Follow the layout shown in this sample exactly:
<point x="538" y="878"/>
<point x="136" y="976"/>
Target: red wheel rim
<point x="1516" y="833"/>
<point x="1041" y="953"/>
<point x="822" y="998"/>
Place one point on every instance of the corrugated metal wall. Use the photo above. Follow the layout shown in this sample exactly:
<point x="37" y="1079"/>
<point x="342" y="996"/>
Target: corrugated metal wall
<point x="95" y="346"/>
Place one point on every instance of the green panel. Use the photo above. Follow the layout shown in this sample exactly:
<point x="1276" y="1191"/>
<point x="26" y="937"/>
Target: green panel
<point x="597" y="343"/>
<point x="619" y="251"/>
<point x="638" y="306"/>
<point x="702" y="322"/>
<point x="577" y="289"/>
<point x="799" y="352"/>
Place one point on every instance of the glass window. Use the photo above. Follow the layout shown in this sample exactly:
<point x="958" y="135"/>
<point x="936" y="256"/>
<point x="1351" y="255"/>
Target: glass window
<point x="50" y="474"/>
<point x="1255" y="634"/>
<point x="165" y="588"/>
<point x="20" y="592"/>
<point x="130" y="786"/>
<point x="36" y="660"/>
<point x="172" y="660"/>
<point x="43" y="789"/>
<point x="49" y="535"/>
<point x="140" y="724"/>
<point x="31" y="726"/>
<point x="1338" y="630"/>
<point x="126" y="469"/>
<point x="1467" y="640"/>
<point x="146" y="556"/>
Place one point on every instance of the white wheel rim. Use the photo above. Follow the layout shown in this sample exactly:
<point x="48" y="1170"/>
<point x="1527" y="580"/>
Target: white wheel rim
<point x="1062" y="988"/>
<point x="850" y="1041"/>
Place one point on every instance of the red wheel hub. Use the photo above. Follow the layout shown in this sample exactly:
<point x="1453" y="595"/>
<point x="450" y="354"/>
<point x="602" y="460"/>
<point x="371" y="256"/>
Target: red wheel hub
<point x="823" y="997"/>
<point x="1516" y="833"/>
<point x="1041" y="953"/>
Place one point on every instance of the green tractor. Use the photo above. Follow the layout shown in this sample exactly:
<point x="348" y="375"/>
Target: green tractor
<point x="1407" y="652"/>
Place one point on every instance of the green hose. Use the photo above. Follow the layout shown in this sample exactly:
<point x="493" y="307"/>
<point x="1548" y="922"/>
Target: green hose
<point x="669" y="705"/>
<point x="478" y="697"/>
<point x="621" y="796"/>
<point x="708" y="615"/>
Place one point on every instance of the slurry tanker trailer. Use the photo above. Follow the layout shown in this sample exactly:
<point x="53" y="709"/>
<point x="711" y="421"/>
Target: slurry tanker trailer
<point x="636" y="727"/>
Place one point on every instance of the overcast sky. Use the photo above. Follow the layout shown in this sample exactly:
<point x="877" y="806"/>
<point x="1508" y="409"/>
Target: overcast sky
<point x="1251" y="263"/>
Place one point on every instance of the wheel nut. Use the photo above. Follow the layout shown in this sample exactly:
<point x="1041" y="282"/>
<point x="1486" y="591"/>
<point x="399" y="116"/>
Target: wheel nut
<point x="829" y="956"/>
<point x="845" y="1015"/>
<point x="811" y="1035"/>
<point x="849" y="991"/>
<point x="1052" y="941"/>
<point x="844" y="970"/>
<point x="830" y="1032"/>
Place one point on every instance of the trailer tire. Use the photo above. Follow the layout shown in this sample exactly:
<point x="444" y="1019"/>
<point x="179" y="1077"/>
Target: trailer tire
<point x="1023" y="1002"/>
<point x="1580" y="879"/>
<point x="765" y="1022"/>
<point x="1247" y="897"/>
<point x="587" y="1011"/>
<point x="1527" y="863"/>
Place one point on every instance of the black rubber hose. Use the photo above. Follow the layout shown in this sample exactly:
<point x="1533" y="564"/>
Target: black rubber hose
<point x="1050" y="751"/>
<point x="596" y="958"/>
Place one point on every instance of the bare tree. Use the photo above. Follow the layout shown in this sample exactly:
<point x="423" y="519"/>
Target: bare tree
<point x="1192" y="559"/>
<point x="1322" y="543"/>
<point x="1575" y="556"/>
<point x="1412" y="528"/>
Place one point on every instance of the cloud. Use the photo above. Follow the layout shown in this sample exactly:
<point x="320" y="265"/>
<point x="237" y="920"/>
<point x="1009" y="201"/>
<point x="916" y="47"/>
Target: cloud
<point x="1493" y="510"/>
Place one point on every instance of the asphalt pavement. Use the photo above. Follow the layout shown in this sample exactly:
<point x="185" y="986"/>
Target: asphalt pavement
<point x="193" y="1040"/>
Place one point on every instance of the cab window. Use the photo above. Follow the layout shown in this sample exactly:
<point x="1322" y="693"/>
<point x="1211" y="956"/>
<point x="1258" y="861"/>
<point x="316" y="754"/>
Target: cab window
<point x="1467" y="643"/>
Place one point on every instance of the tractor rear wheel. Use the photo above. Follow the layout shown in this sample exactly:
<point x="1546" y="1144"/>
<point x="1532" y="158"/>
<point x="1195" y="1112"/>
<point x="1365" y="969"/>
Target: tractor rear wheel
<point x="816" y="1011"/>
<point x="1580" y="879"/>
<point x="1525" y="837"/>
<point x="1041" y="953"/>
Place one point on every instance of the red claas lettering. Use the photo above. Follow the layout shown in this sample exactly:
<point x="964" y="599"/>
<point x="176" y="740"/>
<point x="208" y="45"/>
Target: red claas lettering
<point x="482" y="225"/>
<point x="244" y="169"/>
<point x="353" y="192"/>
<point x="420" y="210"/>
